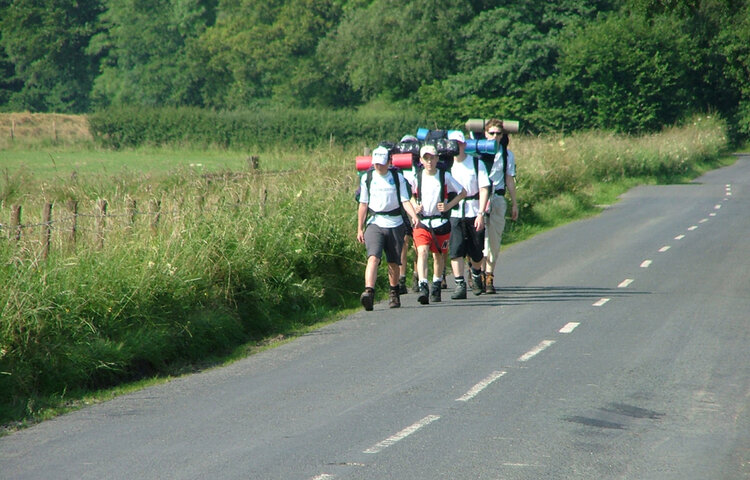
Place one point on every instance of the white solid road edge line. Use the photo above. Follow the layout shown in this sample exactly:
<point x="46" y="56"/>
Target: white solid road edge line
<point x="536" y="350"/>
<point x="476" y="389"/>
<point x="402" y="434"/>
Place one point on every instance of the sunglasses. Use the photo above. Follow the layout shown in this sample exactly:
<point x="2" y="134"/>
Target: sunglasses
<point x="494" y="133"/>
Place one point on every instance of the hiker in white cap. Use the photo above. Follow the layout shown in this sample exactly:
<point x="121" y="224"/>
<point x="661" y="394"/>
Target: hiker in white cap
<point x="467" y="218"/>
<point x="380" y="225"/>
<point x="431" y="189"/>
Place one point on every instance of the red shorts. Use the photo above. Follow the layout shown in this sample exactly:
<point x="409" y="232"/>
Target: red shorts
<point x="438" y="243"/>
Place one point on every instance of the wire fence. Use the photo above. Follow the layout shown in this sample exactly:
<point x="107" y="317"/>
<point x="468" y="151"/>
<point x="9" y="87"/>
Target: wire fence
<point x="67" y="225"/>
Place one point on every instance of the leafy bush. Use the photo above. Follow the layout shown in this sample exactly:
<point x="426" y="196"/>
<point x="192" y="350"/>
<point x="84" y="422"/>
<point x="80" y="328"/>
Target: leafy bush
<point x="309" y="128"/>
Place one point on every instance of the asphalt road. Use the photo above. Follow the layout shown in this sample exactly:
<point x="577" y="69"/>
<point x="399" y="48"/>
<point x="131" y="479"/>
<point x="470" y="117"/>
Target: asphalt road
<point x="616" y="348"/>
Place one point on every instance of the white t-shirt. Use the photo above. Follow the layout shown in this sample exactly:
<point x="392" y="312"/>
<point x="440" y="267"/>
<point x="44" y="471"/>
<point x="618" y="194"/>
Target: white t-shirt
<point x="382" y="198"/>
<point x="465" y="174"/>
<point x="431" y="196"/>
<point x="496" y="172"/>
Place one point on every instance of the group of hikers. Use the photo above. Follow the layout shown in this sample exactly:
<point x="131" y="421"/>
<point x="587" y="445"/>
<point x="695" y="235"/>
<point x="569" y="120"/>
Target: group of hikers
<point x="456" y="212"/>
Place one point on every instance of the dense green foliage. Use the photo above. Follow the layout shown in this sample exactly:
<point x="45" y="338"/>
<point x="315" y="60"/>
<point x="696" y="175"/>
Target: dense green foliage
<point x="628" y="65"/>
<point x="131" y="127"/>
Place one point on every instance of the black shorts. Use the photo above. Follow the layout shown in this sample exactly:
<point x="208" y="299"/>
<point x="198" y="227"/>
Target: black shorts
<point x="390" y="240"/>
<point x="465" y="240"/>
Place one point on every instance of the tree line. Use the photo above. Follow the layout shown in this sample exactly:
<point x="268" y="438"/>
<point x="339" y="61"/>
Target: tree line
<point x="625" y="65"/>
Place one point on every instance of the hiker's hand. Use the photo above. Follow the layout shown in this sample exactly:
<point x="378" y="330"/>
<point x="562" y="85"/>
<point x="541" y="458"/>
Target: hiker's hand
<point x="360" y="235"/>
<point x="441" y="207"/>
<point x="479" y="223"/>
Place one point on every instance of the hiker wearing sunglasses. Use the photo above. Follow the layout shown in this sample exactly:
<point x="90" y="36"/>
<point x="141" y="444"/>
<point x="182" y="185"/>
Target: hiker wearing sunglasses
<point x="431" y="187"/>
<point x="503" y="177"/>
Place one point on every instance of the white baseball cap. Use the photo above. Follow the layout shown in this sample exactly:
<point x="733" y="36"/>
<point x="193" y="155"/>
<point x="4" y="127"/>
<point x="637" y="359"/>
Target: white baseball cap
<point x="457" y="135"/>
<point x="380" y="156"/>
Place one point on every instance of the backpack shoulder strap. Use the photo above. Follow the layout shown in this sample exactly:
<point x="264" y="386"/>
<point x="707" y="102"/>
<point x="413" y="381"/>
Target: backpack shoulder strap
<point x="368" y="181"/>
<point x="397" y="181"/>
<point x="418" y="195"/>
<point x="443" y="188"/>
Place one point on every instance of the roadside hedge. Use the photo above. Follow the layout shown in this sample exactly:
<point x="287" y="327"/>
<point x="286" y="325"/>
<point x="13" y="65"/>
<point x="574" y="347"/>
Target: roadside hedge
<point x="186" y="126"/>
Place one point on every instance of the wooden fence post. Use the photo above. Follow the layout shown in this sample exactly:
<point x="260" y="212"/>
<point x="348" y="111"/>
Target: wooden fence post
<point x="131" y="213"/>
<point x="73" y="208"/>
<point x="15" y="221"/>
<point x="12" y="129"/>
<point x="263" y="198"/>
<point x="46" y="229"/>
<point x="102" y="220"/>
<point x="155" y="210"/>
<point x="253" y="162"/>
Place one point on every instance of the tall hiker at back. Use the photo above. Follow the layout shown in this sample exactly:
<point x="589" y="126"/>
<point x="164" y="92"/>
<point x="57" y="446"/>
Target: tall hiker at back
<point x="431" y="187"/>
<point x="380" y="225"/>
<point x="503" y="177"/>
<point x="467" y="219"/>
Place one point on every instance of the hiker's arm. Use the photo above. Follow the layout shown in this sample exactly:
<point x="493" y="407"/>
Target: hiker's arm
<point x="510" y="185"/>
<point x="361" y="217"/>
<point x="447" y="206"/>
<point x="411" y="212"/>
<point x="484" y="195"/>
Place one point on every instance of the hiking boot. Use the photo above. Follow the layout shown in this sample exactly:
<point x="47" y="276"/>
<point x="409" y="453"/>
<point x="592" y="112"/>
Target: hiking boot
<point x="477" y="287"/>
<point x="415" y="284"/>
<point x="435" y="292"/>
<point x="402" y="290"/>
<point x="489" y="287"/>
<point x="459" y="292"/>
<point x="424" y="293"/>
<point x="367" y="298"/>
<point x="394" y="300"/>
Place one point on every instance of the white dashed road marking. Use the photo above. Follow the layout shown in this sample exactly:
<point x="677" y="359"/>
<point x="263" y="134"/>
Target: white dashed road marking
<point x="646" y="264"/>
<point x="378" y="447"/>
<point x="601" y="302"/>
<point x="679" y="237"/>
<point x="625" y="283"/>
<point x="535" y="351"/>
<point x="694" y="227"/>
<point x="474" y="391"/>
<point x="569" y="327"/>
<point x="664" y="248"/>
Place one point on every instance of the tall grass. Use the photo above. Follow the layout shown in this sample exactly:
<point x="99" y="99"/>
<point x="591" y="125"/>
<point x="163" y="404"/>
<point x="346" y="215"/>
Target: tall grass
<point x="568" y="167"/>
<point x="236" y="256"/>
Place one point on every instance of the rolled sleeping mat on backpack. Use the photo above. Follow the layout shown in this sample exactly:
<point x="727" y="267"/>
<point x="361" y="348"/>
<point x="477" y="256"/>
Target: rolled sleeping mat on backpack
<point x="482" y="146"/>
<point x="422" y="133"/>
<point x="478" y="125"/>
<point x="399" y="160"/>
